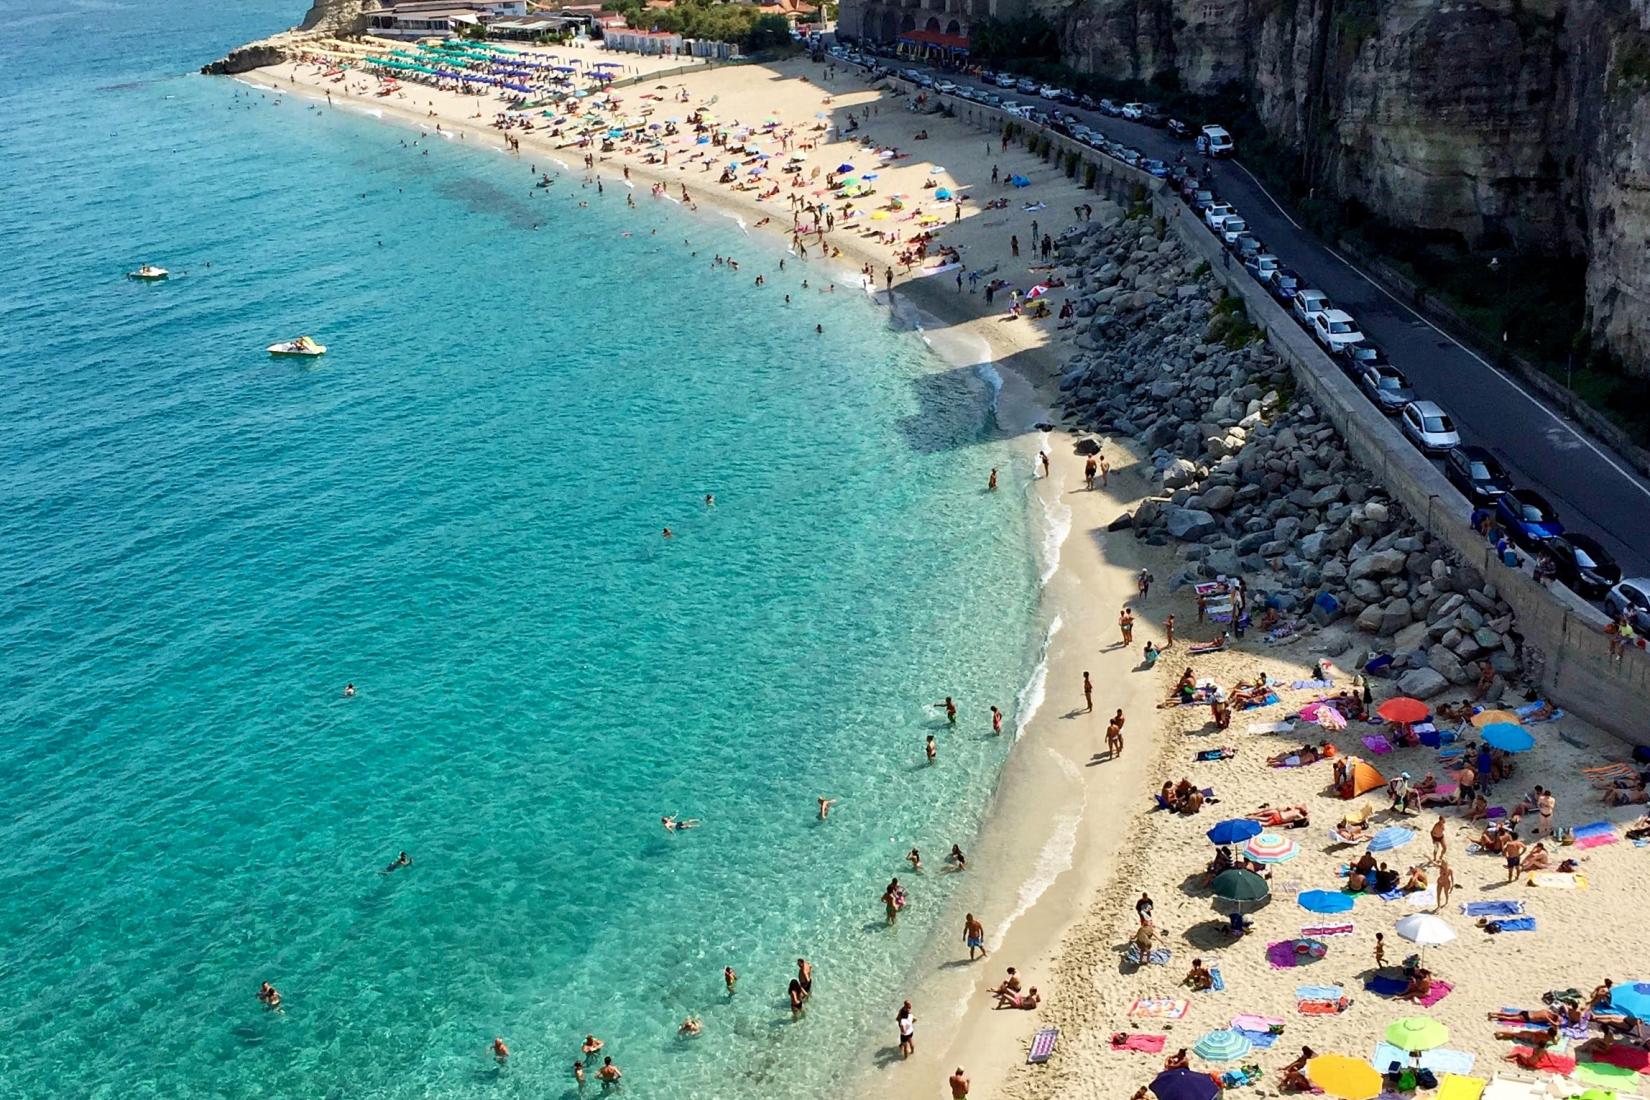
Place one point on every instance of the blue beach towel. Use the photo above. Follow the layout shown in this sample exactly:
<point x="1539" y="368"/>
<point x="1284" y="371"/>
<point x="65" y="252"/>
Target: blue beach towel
<point x="1219" y="985"/>
<point x="1439" y="1060"/>
<point x="1492" y="908"/>
<point x="1260" y="1040"/>
<point x="1319" y="993"/>
<point x="1596" y="828"/>
<point x="1515" y="924"/>
<point x="1385" y="987"/>
<point x="1391" y="895"/>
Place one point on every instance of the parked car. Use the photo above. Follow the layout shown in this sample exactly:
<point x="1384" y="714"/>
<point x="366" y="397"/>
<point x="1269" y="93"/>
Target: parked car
<point x="1283" y="284"/>
<point x="1156" y="168"/>
<point x="1132" y="110"/>
<point x="1386" y="385"/>
<point x="1527" y="517"/>
<point x="1131" y="157"/>
<point x="1632" y="599"/>
<point x="1202" y="199"/>
<point x="1308" y="304"/>
<point x="1004" y="81"/>
<point x="1152" y="114"/>
<point x="1087" y="103"/>
<point x="1429" y="427"/>
<point x="1363" y="354"/>
<point x="945" y="86"/>
<point x="1245" y="247"/>
<point x="1220" y="142"/>
<point x="1217" y="212"/>
<point x="1261" y="265"/>
<point x="1475" y="472"/>
<point x="1107" y="107"/>
<point x="1582" y="565"/>
<point x="1335" y="329"/>
<point x="1026" y="86"/>
<point x="1178" y="128"/>
<point x="1230" y="228"/>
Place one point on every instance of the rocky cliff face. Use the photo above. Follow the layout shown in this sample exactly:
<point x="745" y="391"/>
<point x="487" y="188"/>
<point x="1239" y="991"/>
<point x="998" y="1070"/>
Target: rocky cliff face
<point x="1523" y="122"/>
<point x="324" y="18"/>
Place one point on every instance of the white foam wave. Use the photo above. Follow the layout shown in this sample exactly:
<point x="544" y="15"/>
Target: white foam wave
<point x="993" y="379"/>
<point x="1030" y="697"/>
<point x="1056" y="529"/>
<point x="739" y="221"/>
<point x="1054" y="860"/>
<point x="562" y="164"/>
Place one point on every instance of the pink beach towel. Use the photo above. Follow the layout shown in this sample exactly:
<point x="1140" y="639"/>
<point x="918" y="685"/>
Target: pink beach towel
<point x="1256" y="1023"/>
<point x="1159" y="1008"/>
<point x="1595" y="841"/>
<point x="1324" y="931"/>
<point x="1145" y="1044"/>
<point x="1438" y="992"/>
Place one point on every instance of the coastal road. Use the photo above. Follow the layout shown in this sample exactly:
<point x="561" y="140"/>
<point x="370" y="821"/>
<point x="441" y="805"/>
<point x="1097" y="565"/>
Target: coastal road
<point x="1594" y="489"/>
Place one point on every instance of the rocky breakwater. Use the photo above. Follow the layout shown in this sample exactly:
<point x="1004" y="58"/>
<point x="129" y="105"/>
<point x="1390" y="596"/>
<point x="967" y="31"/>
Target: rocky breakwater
<point x="1255" y="482"/>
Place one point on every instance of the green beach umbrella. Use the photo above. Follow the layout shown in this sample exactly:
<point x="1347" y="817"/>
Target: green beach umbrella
<point x="1241" y="887"/>
<point x="1596" y="1094"/>
<point x="1416" y="1033"/>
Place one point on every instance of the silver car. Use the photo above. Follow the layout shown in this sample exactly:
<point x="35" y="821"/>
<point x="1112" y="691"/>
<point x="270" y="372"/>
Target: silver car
<point x="1429" y="427"/>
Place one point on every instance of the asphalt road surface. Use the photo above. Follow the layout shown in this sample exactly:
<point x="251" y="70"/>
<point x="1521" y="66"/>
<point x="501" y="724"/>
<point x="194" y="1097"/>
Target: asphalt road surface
<point x="1594" y="489"/>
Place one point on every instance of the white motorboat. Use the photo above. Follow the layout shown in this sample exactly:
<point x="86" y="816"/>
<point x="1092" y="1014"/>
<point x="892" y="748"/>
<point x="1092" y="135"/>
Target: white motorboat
<point x="148" y="273"/>
<point x="303" y="346"/>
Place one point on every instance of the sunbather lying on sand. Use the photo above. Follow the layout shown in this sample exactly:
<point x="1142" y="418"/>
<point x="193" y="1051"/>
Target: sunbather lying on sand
<point x="1274" y="816"/>
<point x="1539" y="1042"/>
<point x="1569" y="1015"/>
<point x="1348" y="833"/>
<point x="1027" y="1001"/>
<point x="1629" y="797"/>
<point x="1295" y="758"/>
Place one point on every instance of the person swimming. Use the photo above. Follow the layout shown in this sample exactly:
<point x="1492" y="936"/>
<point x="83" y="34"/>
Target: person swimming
<point x="673" y="824"/>
<point x="402" y="860"/>
<point x="349" y="691"/>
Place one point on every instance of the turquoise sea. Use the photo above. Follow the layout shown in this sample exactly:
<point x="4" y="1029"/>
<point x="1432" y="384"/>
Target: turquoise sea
<point x="458" y="509"/>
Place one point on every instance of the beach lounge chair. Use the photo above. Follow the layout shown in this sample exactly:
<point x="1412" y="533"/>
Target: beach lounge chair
<point x="1042" y="1045"/>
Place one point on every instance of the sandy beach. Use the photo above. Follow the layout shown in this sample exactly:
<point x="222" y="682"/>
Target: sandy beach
<point x="1074" y="838"/>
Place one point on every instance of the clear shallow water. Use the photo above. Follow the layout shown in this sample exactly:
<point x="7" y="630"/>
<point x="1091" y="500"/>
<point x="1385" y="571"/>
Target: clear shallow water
<point x="458" y="509"/>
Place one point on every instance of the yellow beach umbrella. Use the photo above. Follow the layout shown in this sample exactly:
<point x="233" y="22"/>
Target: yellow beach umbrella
<point x="1491" y="717"/>
<point x="1343" y="1076"/>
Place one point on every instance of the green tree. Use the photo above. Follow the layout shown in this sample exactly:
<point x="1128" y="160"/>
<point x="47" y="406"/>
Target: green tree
<point x="767" y="32"/>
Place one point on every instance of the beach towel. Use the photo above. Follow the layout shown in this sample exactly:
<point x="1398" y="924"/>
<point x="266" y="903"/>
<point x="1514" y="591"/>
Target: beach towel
<point x="1492" y="908"/>
<point x="1270" y="727"/>
<point x="1219" y="985"/>
<point x="1312" y="685"/>
<point x="1324" y="931"/>
<point x="1042" y="1045"/>
<point x="1512" y="924"/>
<point x="1266" y="702"/>
<point x="1377" y="744"/>
<point x="1145" y="1044"/>
<point x="1159" y="1008"/>
<point x="1391" y="895"/>
<point x="1260" y="1040"/>
<point x="1547" y="1063"/>
<point x="1383" y="986"/>
<point x="1515" y="1088"/>
<point x="1586" y="842"/>
<point x="1423" y="899"/>
<point x="1251" y="1022"/>
<point x="1607" y="775"/>
<point x="1624" y="1056"/>
<point x="1558" y="880"/>
<point x="1322" y="1008"/>
<point x="1210" y="755"/>
<point x="1453" y="1086"/>
<point x="1319" y="993"/>
<point x="1528" y="709"/>
<point x="1593" y="828"/>
<point x="1438" y="1060"/>
<point x="1604" y="1077"/>
<point x="1438" y="992"/>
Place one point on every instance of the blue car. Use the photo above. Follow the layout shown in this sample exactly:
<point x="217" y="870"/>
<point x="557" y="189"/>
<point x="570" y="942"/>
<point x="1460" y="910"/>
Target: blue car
<point x="1156" y="168"/>
<point x="1283" y="283"/>
<point x="1528" y="518"/>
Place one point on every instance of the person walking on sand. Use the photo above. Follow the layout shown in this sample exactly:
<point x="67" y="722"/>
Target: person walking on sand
<point x="1168" y="632"/>
<point x="906" y="1021"/>
<point x="1125" y="623"/>
<point x="996" y="720"/>
<point x="950" y="710"/>
<point x="991" y="485"/>
<point x="1088" y="692"/>
<point x="931" y="749"/>
<point x="1439" y="845"/>
<point x="1144" y="583"/>
<point x="959" y="1084"/>
<point x="825" y="805"/>
<point x="973" y="935"/>
<point x="1105" y="472"/>
<point x="1513" y="852"/>
<point x="1114" y="738"/>
<point x="1090" y="468"/>
<point x="1014" y="244"/>
<point x="1446" y="884"/>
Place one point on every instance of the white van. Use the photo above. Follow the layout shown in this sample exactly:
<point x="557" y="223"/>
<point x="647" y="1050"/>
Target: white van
<point x="1220" y="142"/>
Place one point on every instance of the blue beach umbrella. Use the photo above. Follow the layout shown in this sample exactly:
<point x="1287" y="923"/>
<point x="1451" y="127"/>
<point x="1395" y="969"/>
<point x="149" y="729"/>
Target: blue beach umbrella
<point x="1222" y="1046"/>
<point x="1390" y="838"/>
<point x="1508" y="737"/>
<point x="1326" y="901"/>
<point x="1234" y="831"/>
<point x="1632" y="998"/>
<point x="943" y="193"/>
<point x="1184" y="1084"/>
<point x="844" y="167"/>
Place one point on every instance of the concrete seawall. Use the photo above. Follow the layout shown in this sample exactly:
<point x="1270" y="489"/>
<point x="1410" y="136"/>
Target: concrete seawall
<point x="1565" y="649"/>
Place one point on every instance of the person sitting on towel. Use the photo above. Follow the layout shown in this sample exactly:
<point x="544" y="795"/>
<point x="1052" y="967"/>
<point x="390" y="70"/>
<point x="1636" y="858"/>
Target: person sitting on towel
<point x="1417" y="880"/>
<point x="1198" y="977"/>
<point x="1386" y="879"/>
<point x="1177" y="1060"/>
<point x="1365" y="865"/>
<point x="1420" y="984"/>
<point x="1221" y="862"/>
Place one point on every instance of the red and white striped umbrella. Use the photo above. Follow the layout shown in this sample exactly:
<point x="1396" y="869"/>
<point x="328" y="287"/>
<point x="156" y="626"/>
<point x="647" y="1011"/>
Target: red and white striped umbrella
<point x="1271" y="848"/>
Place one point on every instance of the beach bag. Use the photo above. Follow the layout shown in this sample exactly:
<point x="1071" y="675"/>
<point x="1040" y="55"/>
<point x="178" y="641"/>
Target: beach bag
<point x="1406" y="1081"/>
<point x="1424" y="1078"/>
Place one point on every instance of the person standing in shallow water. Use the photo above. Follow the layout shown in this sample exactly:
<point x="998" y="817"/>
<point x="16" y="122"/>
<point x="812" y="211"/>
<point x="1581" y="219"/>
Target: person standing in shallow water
<point x="991" y="485"/>
<point x="996" y="720"/>
<point x="730" y="978"/>
<point x="950" y="709"/>
<point x="974" y="936"/>
<point x="932" y="749"/>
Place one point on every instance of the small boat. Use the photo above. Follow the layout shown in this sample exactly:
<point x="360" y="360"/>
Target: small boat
<point x="302" y="346"/>
<point x="149" y="273"/>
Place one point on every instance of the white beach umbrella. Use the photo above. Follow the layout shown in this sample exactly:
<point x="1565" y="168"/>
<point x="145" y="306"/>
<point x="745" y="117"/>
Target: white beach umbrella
<point x="1425" y="929"/>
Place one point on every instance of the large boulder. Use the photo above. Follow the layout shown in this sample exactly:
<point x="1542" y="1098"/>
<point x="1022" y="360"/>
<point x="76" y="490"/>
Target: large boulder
<point x="1190" y="524"/>
<point x="1218" y="498"/>
<point x="1377" y="563"/>
<point x="1395" y="616"/>
<point x="1179" y="473"/>
<point x="1449" y="665"/>
<point x="1422" y="683"/>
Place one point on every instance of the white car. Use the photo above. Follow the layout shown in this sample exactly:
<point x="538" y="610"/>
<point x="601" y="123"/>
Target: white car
<point x="945" y="86"/>
<point x="1133" y="110"/>
<point x="1310" y="303"/>
<point x="1231" y="229"/>
<point x="1220" y="142"/>
<point x="1004" y="81"/>
<point x="1217" y="213"/>
<point x="1429" y="427"/>
<point x="1335" y="329"/>
<point x="1026" y="85"/>
<point x="1049" y="91"/>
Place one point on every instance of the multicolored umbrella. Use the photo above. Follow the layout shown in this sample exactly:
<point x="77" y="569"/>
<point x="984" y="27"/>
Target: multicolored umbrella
<point x="1416" y="1033"/>
<point x="1271" y="848"/>
<point x="1223" y="1045"/>
<point x="1402" y="708"/>
<point x="1343" y="1076"/>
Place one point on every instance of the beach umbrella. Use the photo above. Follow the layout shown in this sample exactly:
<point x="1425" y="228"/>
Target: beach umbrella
<point x="1344" y="1076"/>
<point x="942" y="193"/>
<point x="844" y="167"/>
<point x="1222" y="1046"/>
<point x="1403" y="709"/>
<point x="1508" y="737"/>
<point x="1417" y="1033"/>
<point x="1036" y="292"/>
<point x="1244" y="889"/>
<point x="1271" y="848"/>
<point x="879" y="215"/>
<point x="1330" y="718"/>
<point x="1234" y="831"/>
<point x="1426" y="929"/>
<point x="1596" y="1094"/>
<point x="1326" y="901"/>
<point x="1184" y="1084"/>
<point x="1394" y="836"/>
<point x="1633" y="998"/>
<point x="1490" y="717"/>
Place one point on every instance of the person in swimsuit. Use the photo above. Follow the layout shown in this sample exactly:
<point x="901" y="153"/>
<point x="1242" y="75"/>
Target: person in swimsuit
<point x="1088" y="692"/>
<point x="797" y="996"/>
<point x="501" y="1053"/>
<point x="950" y="709"/>
<point x="906" y="1021"/>
<point x="996" y="720"/>
<point x="932" y="749"/>
<point x="349" y="691"/>
<point x="609" y="1074"/>
<point x="914" y="858"/>
<point x="592" y="1046"/>
<point x="805" y="975"/>
<point x="956" y="860"/>
<point x="825" y="805"/>
<point x="402" y="860"/>
<point x="991" y="485"/>
<point x="270" y="996"/>
<point x="974" y="936"/>
<point x="959" y="1084"/>
<point x="730" y="978"/>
